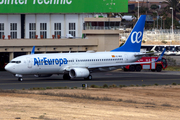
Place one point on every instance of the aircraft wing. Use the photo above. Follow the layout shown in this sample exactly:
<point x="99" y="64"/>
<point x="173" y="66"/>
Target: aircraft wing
<point x="116" y="64"/>
<point x="107" y="65"/>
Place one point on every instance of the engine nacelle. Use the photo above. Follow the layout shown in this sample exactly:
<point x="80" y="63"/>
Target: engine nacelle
<point x="44" y="75"/>
<point x="79" y="72"/>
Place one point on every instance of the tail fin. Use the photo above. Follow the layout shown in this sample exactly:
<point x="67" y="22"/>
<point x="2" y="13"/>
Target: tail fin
<point x="33" y="49"/>
<point x="133" y="43"/>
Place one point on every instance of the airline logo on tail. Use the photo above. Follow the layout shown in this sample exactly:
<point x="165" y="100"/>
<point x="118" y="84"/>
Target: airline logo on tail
<point x="135" y="37"/>
<point x="133" y="43"/>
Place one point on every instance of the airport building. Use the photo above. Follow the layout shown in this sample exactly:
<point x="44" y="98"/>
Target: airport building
<point x="46" y="24"/>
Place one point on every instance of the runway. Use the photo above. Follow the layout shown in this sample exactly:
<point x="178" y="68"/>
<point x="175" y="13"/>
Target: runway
<point x="8" y="81"/>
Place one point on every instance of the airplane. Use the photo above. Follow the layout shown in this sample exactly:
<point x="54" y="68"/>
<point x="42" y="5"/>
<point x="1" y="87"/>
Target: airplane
<point x="80" y="65"/>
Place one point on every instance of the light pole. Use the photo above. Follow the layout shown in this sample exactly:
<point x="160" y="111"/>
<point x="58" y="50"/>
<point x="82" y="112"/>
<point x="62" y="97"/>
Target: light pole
<point x="157" y="18"/>
<point x="161" y="21"/>
<point x="138" y="8"/>
<point x="172" y="22"/>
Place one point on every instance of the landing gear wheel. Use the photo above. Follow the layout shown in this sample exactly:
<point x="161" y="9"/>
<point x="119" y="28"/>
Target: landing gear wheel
<point x="20" y="79"/>
<point x="88" y="78"/>
<point x="66" y="77"/>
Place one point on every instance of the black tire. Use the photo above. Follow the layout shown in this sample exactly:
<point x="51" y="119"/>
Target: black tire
<point x="132" y="68"/>
<point x="66" y="77"/>
<point x="88" y="78"/>
<point x="153" y="70"/>
<point x="159" y="68"/>
<point x="138" y="68"/>
<point x="20" y="79"/>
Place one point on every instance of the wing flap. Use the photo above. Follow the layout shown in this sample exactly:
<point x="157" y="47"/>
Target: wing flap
<point x="117" y="64"/>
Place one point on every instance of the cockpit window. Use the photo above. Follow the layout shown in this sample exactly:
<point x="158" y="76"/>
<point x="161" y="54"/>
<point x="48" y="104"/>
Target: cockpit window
<point x="17" y="62"/>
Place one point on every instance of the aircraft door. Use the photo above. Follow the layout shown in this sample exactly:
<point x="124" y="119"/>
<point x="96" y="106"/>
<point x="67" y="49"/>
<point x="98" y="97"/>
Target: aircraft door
<point x="29" y="61"/>
<point x="126" y="58"/>
<point x="74" y="61"/>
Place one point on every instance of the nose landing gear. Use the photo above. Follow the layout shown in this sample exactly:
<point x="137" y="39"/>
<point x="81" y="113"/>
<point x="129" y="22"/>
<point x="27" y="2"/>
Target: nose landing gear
<point x="19" y="77"/>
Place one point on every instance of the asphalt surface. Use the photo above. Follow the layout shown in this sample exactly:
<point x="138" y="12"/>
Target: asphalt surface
<point x="8" y="81"/>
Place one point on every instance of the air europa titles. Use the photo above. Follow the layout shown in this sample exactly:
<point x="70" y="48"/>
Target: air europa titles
<point x="45" y="61"/>
<point x="36" y="2"/>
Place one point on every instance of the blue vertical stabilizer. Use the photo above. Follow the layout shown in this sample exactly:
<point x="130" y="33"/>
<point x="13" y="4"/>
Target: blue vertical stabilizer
<point x="133" y="43"/>
<point x="33" y="49"/>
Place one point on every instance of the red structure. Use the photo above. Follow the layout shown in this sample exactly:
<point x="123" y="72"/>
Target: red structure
<point x="154" y="66"/>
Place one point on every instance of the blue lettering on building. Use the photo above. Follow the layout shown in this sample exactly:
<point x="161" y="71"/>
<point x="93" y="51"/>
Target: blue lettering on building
<point x="45" y="61"/>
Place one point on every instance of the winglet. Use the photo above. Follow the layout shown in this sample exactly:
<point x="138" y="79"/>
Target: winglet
<point x="33" y="49"/>
<point x="160" y="57"/>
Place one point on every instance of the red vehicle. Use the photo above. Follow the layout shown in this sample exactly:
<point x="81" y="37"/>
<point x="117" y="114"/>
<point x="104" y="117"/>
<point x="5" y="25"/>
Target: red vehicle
<point x="156" y="66"/>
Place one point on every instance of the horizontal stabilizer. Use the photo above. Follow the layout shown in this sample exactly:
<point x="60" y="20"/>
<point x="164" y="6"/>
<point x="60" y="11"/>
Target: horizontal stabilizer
<point x="143" y="54"/>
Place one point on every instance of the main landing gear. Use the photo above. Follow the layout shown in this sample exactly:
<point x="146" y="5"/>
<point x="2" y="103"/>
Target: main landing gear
<point x="66" y="76"/>
<point x="88" y="78"/>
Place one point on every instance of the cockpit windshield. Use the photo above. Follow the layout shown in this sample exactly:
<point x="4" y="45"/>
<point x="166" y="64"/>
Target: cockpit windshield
<point x="17" y="62"/>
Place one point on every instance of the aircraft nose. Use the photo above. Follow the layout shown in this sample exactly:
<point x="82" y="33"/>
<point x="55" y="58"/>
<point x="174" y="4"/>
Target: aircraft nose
<point x="8" y="67"/>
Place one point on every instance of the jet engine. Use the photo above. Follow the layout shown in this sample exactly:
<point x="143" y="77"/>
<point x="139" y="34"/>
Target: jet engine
<point x="79" y="72"/>
<point x="43" y="75"/>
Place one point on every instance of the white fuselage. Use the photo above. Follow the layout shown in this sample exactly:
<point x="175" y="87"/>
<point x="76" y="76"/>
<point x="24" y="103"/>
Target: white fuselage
<point x="57" y="63"/>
